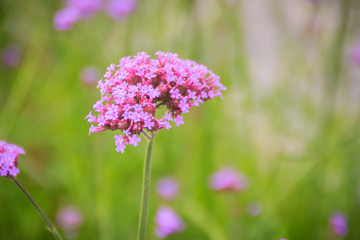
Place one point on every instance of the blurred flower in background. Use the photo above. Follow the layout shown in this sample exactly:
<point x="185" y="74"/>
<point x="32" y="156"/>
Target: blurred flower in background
<point x="338" y="223"/>
<point x="76" y="10"/>
<point x="86" y="8"/>
<point x="65" y="19"/>
<point x="69" y="219"/>
<point x="228" y="179"/>
<point x="89" y="75"/>
<point x="167" y="188"/>
<point x="8" y="159"/>
<point x="355" y="54"/>
<point x="119" y="9"/>
<point x="254" y="208"/>
<point x="168" y="222"/>
<point x="10" y="56"/>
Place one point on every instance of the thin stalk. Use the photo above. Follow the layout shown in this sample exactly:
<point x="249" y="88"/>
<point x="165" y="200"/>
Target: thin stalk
<point x="145" y="191"/>
<point x="52" y="228"/>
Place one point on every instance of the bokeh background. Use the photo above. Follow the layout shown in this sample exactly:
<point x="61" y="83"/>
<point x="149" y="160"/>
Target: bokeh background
<point x="289" y="120"/>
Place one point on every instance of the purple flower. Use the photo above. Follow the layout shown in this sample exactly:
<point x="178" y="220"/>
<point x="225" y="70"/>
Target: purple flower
<point x="228" y="179"/>
<point x="65" y="19"/>
<point x="119" y="9"/>
<point x="132" y="91"/>
<point x="89" y="75"/>
<point x="86" y="8"/>
<point x="69" y="218"/>
<point x="254" y="208"/>
<point x="339" y="223"/>
<point x="8" y="159"/>
<point x="355" y="54"/>
<point x="167" y="188"/>
<point x="10" y="56"/>
<point x="167" y="222"/>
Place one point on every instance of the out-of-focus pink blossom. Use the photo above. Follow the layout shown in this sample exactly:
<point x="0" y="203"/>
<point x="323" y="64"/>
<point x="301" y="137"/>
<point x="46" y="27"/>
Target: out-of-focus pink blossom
<point x="10" y="56"/>
<point x="354" y="53"/>
<point x="167" y="188"/>
<point x="228" y="179"/>
<point x="338" y="223"/>
<point x="69" y="218"/>
<point x="66" y="18"/>
<point x="254" y="208"/>
<point x="86" y="8"/>
<point x="119" y="9"/>
<point x="132" y="91"/>
<point x="9" y="154"/>
<point x="89" y="75"/>
<point x="168" y="222"/>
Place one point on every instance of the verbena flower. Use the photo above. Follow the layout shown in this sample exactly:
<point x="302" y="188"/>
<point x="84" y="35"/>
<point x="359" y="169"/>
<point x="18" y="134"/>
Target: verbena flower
<point x="228" y="179"/>
<point x="74" y="11"/>
<point x="339" y="224"/>
<point x="134" y="89"/>
<point x="10" y="56"/>
<point x="9" y="154"/>
<point x="69" y="218"/>
<point x="354" y="53"/>
<point x="167" y="222"/>
<point x="254" y="208"/>
<point x="89" y="75"/>
<point x="119" y="9"/>
<point x="66" y="18"/>
<point x="167" y="188"/>
<point x="86" y="8"/>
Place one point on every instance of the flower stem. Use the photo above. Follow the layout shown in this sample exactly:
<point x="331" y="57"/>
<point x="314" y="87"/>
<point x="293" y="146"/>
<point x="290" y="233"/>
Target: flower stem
<point x="145" y="191"/>
<point x="52" y="228"/>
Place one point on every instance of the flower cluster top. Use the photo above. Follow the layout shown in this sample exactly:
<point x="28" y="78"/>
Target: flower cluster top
<point x="8" y="159"/>
<point x="132" y="91"/>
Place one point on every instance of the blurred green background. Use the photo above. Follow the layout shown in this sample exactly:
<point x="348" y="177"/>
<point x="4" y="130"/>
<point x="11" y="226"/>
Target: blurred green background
<point x="289" y="120"/>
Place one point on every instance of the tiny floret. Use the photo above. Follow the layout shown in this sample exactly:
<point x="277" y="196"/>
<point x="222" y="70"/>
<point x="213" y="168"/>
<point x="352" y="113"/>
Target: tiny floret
<point x="8" y="159"/>
<point x="134" y="89"/>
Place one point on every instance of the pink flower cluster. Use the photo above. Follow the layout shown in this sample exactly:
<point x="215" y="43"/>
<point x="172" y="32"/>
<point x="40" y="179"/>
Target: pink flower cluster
<point x="167" y="188"/>
<point x="167" y="222"/>
<point x="8" y="159"/>
<point x="228" y="179"/>
<point x="75" y="10"/>
<point x="132" y="91"/>
<point x="338" y="223"/>
<point x="69" y="217"/>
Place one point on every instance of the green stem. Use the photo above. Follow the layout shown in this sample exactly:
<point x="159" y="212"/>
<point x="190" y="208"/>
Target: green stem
<point x="52" y="228"/>
<point x="145" y="191"/>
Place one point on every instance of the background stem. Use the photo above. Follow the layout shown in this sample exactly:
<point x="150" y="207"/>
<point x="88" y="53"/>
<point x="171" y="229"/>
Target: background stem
<point x="145" y="191"/>
<point x="50" y="225"/>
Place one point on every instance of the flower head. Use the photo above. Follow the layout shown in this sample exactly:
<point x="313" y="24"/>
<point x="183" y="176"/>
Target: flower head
<point x="10" y="56"/>
<point x="133" y="90"/>
<point x="119" y="9"/>
<point x="167" y="222"/>
<point x="69" y="218"/>
<point x="354" y="53"/>
<point x="167" y="188"/>
<point x="254" y="208"/>
<point x="86" y="8"/>
<point x="66" y="18"/>
<point x="8" y="159"/>
<point x="339" y="224"/>
<point x="228" y="179"/>
<point x="89" y="75"/>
